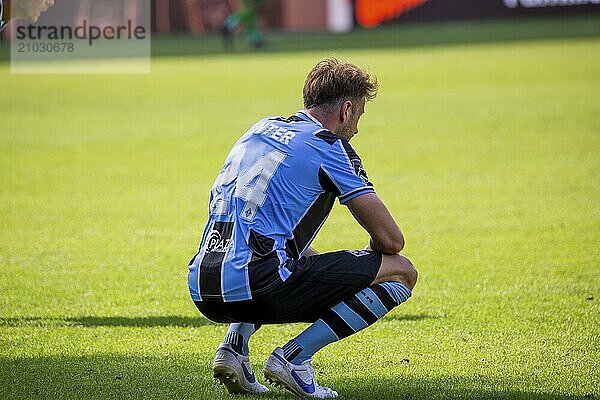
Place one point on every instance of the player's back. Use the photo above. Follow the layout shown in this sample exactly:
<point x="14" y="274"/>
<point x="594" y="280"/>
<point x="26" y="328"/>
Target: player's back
<point x="275" y="190"/>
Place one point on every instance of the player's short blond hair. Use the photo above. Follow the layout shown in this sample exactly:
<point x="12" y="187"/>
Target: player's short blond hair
<point x="332" y="81"/>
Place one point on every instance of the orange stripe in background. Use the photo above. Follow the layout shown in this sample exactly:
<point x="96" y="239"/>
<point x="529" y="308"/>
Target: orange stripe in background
<point x="371" y="13"/>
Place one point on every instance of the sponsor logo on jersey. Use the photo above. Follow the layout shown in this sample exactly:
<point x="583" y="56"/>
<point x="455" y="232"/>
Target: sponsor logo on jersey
<point x="216" y="243"/>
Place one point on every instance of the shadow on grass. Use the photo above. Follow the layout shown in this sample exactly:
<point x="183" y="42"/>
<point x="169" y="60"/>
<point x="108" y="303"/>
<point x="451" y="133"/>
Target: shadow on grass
<point x="189" y="377"/>
<point x="411" y="317"/>
<point x="144" y="322"/>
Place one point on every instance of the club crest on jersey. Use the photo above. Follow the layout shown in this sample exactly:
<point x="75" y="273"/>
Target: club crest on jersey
<point x="216" y="243"/>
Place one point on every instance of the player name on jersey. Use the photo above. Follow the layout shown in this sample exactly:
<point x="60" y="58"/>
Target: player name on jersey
<point x="273" y="131"/>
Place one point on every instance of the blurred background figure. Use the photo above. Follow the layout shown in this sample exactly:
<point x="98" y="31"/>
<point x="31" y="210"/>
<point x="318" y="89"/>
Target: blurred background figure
<point x="245" y="18"/>
<point x="28" y="10"/>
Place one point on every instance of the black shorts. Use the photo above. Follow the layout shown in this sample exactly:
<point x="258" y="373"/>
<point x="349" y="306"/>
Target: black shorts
<point x="317" y="283"/>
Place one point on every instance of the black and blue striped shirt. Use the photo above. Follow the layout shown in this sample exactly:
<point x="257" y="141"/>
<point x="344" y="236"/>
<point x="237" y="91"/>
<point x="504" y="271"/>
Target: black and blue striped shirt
<point x="268" y="203"/>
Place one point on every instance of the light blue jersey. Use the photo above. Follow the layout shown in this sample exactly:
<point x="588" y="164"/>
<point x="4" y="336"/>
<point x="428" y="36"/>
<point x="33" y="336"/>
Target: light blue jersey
<point x="269" y="201"/>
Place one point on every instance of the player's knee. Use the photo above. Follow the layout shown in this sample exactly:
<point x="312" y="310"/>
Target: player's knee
<point x="405" y="272"/>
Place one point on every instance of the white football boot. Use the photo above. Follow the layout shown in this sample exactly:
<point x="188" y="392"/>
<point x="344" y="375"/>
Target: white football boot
<point x="299" y="379"/>
<point x="234" y="371"/>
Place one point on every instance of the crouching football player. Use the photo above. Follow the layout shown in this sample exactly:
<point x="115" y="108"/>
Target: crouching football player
<point x="254" y="265"/>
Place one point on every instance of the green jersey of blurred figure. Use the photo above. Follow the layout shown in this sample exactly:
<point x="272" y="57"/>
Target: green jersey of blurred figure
<point x="28" y="10"/>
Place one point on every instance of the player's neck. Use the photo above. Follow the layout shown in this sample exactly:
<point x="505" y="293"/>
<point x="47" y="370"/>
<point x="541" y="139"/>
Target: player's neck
<point x="326" y="119"/>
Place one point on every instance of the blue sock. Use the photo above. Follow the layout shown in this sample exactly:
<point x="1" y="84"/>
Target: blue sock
<point x="238" y="336"/>
<point x="346" y="318"/>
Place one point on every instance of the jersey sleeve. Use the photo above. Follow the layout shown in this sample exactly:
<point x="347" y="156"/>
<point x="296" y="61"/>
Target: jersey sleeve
<point x="343" y="174"/>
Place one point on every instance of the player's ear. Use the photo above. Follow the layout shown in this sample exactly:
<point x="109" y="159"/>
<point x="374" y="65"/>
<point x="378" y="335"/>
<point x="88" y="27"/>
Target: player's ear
<point x="345" y="111"/>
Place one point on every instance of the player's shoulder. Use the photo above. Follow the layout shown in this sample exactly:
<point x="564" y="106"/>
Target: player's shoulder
<point x="338" y="147"/>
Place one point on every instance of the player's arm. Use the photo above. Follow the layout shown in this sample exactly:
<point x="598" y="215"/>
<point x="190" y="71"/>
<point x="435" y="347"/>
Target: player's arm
<point x="373" y="215"/>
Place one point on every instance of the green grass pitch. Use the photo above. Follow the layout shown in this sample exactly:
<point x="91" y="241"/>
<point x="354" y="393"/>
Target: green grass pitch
<point x="487" y="154"/>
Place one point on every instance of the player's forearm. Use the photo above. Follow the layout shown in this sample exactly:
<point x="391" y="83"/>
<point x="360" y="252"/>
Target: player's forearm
<point x="387" y="247"/>
<point x="373" y="215"/>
